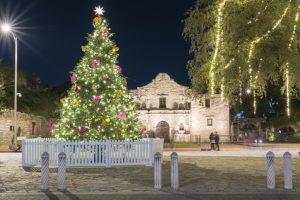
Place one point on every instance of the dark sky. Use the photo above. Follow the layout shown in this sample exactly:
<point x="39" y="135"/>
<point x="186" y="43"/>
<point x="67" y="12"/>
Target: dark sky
<point x="148" y="33"/>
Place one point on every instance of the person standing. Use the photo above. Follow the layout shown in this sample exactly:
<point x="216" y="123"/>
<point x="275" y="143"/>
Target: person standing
<point x="217" y="140"/>
<point x="212" y="141"/>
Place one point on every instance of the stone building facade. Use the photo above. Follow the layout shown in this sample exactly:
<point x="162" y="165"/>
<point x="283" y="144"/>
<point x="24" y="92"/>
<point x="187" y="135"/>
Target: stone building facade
<point x="29" y="126"/>
<point x="167" y="110"/>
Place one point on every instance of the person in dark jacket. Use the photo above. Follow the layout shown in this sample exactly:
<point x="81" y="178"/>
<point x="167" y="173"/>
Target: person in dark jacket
<point x="217" y="140"/>
<point x="212" y="141"/>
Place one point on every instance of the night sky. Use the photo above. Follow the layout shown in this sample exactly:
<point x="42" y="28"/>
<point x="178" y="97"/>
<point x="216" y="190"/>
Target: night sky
<point x="148" y="33"/>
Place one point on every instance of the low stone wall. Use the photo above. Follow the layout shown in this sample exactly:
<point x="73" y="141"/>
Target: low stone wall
<point x="29" y="126"/>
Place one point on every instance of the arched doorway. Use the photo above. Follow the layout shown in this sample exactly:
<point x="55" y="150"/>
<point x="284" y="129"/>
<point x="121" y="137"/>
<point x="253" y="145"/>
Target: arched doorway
<point x="163" y="131"/>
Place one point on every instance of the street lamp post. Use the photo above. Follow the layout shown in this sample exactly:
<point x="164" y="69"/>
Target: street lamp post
<point x="6" y="28"/>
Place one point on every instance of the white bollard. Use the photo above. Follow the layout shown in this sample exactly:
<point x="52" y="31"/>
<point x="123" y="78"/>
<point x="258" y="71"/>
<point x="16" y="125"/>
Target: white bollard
<point x="174" y="171"/>
<point x="157" y="170"/>
<point x="287" y="171"/>
<point x="270" y="170"/>
<point x="44" y="171"/>
<point x="61" y="171"/>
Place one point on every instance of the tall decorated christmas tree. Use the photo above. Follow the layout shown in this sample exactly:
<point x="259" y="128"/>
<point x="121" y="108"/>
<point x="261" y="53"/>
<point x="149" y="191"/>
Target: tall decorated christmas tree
<point x="98" y="105"/>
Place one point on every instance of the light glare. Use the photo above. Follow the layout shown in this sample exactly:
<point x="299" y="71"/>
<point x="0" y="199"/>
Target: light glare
<point x="5" y="28"/>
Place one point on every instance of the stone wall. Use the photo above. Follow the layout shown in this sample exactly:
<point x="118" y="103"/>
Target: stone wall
<point x="29" y="126"/>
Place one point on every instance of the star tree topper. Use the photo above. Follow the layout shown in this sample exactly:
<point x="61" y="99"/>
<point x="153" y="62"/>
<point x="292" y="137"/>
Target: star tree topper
<point x="99" y="10"/>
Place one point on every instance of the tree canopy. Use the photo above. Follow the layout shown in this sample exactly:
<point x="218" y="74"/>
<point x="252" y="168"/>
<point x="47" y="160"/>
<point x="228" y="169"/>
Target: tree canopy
<point x="242" y="45"/>
<point x="40" y="100"/>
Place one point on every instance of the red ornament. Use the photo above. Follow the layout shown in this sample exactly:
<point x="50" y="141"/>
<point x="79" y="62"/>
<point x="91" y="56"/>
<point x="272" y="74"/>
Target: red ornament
<point x="77" y="89"/>
<point x="82" y="130"/>
<point x="99" y="110"/>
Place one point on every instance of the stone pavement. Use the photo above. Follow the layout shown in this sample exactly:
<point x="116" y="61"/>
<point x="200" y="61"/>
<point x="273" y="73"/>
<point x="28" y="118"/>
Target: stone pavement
<point x="246" y="153"/>
<point x="200" y="178"/>
<point x="145" y="196"/>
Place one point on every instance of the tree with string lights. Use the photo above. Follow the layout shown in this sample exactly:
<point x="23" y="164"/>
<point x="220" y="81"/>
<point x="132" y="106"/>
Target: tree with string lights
<point x="241" y="48"/>
<point x="98" y="105"/>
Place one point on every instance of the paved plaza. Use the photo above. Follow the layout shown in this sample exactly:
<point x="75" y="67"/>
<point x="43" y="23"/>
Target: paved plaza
<point x="201" y="177"/>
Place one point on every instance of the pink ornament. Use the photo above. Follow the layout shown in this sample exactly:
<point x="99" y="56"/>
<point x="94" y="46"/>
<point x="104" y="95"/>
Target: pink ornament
<point x="53" y="126"/>
<point x="122" y="116"/>
<point x="119" y="69"/>
<point x="77" y="89"/>
<point x="143" y="130"/>
<point x="82" y="130"/>
<point x="105" y="32"/>
<point x="97" y="37"/>
<point x="96" y="99"/>
<point x="73" y="78"/>
<point x="95" y="63"/>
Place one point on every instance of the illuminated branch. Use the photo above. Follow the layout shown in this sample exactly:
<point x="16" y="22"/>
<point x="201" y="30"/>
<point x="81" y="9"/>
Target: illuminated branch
<point x="223" y="79"/>
<point x="254" y="88"/>
<point x="258" y="40"/>
<point x="287" y="85"/>
<point x="217" y="46"/>
<point x="287" y="69"/>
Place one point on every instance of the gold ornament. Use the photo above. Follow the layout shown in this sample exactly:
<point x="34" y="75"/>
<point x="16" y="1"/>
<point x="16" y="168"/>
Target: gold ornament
<point x="106" y="121"/>
<point x="75" y="103"/>
<point x="97" y="21"/>
<point x="62" y="101"/>
<point x="119" y="95"/>
<point x="115" y="50"/>
<point x="83" y="48"/>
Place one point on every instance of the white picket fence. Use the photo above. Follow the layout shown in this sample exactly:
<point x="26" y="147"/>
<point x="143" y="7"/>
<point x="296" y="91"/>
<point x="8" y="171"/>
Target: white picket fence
<point x="91" y="153"/>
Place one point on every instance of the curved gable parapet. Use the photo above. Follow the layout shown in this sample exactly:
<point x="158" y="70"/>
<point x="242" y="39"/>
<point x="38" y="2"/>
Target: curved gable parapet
<point x="162" y="84"/>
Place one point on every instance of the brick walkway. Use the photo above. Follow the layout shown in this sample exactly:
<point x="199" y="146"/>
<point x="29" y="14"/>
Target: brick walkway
<point x="212" y="177"/>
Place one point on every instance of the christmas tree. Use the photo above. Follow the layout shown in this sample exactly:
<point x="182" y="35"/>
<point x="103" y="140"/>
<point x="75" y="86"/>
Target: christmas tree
<point x="98" y="105"/>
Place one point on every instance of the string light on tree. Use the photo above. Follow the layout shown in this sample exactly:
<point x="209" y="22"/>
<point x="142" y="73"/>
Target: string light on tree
<point x="271" y="34"/>
<point x="288" y="97"/>
<point x="257" y="41"/>
<point x="294" y="29"/>
<point x="248" y="91"/>
<point x="223" y="79"/>
<point x="217" y="46"/>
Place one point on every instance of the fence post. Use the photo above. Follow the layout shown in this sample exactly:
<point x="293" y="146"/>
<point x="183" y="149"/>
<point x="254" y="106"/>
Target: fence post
<point x="174" y="171"/>
<point x="60" y="146"/>
<point x="157" y="170"/>
<point x="23" y="153"/>
<point x="108" y="151"/>
<point x="61" y="171"/>
<point x="270" y="170"/>
<point x="287" y="171"/>
<point x="44" y="171"/>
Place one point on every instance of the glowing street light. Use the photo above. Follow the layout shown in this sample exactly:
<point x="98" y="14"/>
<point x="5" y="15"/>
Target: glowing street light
<point x="7" y="29"/>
